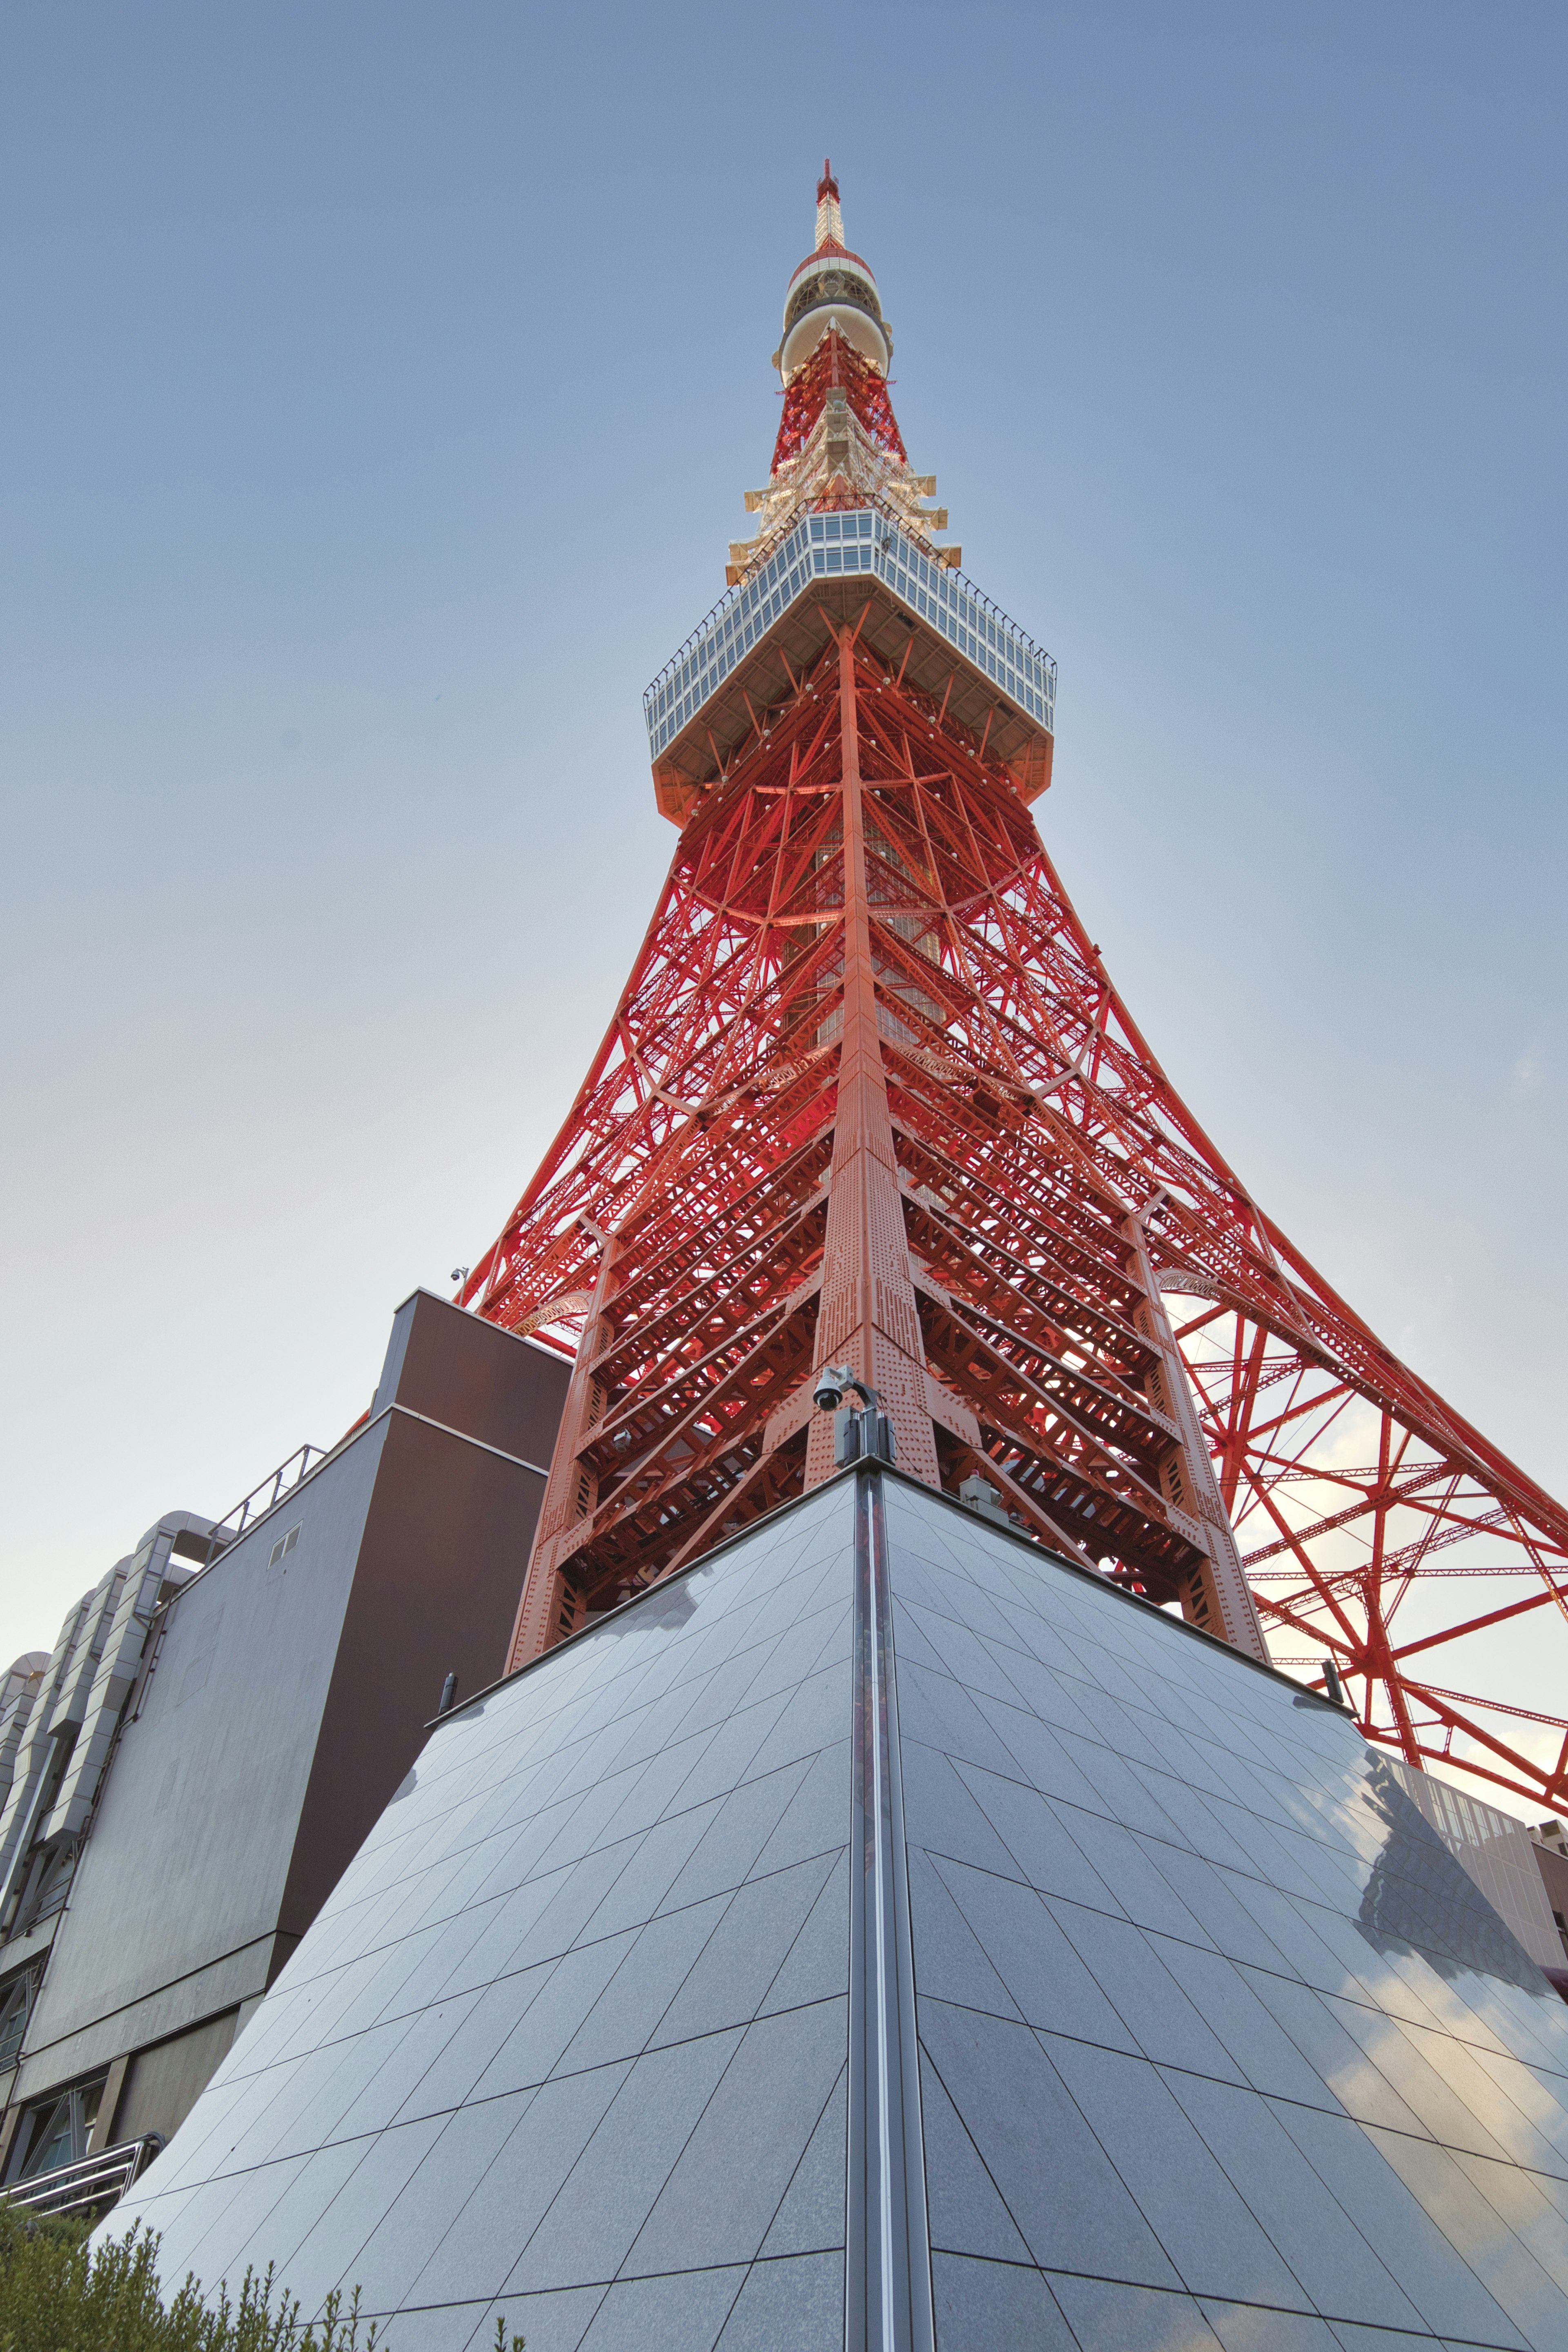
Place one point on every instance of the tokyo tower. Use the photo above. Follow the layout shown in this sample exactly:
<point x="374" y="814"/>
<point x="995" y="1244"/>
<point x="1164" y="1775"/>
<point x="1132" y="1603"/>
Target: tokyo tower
<point x="870" y="1099"/>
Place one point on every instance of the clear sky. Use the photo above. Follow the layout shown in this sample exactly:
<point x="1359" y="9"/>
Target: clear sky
<point x="380" y="384"/>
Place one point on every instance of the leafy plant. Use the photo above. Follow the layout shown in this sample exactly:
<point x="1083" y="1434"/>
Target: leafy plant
<point x="58" y="2294"/>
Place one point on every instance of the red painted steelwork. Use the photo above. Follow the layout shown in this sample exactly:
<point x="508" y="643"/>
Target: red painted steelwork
<point x="870" y="1094"/>
<point x="837" y="366"/>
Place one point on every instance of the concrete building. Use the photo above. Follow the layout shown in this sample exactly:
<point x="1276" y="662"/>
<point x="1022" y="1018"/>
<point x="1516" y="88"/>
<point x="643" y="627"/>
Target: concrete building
<point x="184" y="1779"/>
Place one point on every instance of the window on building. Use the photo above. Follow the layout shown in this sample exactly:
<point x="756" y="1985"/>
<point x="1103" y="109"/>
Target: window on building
<point x="15" y="2007"/>
<point x="55" y="2130"/>
<point x="48" y="1889"/>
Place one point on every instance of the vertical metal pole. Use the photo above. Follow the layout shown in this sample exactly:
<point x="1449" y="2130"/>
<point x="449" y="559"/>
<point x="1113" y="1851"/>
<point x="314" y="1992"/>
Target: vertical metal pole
<point x="887" y="2295"/>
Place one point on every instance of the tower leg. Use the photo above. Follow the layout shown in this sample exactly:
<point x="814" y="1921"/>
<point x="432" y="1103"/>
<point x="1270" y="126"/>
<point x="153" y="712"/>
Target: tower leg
<point x="1218" y="1597"/>
<point x="550" y="1607"/>
<point x="867" y="1316"/>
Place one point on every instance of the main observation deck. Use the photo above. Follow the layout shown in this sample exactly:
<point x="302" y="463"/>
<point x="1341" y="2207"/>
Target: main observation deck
<point x="992" y="678"/>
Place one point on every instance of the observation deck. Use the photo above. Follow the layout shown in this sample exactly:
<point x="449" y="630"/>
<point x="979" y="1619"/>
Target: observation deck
<point x="995" y="680"/>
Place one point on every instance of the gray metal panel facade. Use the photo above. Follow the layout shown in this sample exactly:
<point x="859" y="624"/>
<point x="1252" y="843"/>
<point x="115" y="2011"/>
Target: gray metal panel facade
<point x="1218" y="2048"/>
<point x="177" y="1897"/>
<point x="287" y="1696"/>
<point x="569" y="2039"/>
<point x="1497" y="1850"/>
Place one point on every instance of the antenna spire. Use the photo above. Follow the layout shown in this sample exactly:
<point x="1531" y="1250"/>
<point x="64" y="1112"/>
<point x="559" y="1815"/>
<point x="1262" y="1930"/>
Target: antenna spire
<point x="829" y="219"/>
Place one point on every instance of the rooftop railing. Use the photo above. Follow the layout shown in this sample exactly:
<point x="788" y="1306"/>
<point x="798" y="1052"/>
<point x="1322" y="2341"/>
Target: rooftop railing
<point x="263" y="1498"/>
<point x="867" y="538"/>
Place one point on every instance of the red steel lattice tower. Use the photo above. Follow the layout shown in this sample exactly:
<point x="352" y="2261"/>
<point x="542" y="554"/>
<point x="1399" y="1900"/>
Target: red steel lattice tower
<point x="870" y="1096"/>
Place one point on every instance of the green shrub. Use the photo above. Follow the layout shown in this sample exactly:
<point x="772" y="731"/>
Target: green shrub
<point x="58" y="2295"/>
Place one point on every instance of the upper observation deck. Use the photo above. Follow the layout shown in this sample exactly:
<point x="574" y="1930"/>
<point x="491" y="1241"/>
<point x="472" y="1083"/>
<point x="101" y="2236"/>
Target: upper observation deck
<point x="995" y="680"/>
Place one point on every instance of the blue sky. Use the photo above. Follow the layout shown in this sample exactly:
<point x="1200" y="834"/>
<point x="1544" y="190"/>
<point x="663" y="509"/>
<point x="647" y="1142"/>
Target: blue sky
<point x="380" y="387"/>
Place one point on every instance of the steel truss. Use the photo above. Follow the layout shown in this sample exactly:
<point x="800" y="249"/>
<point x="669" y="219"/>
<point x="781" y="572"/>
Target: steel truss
<point x="837" y="366"/>
<point x="869" y="1092"/>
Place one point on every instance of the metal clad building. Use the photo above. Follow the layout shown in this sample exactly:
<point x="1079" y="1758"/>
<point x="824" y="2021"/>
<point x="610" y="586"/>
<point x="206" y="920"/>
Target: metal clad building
<point x="882" y="1934"/>
<point x="208" y="1747"/>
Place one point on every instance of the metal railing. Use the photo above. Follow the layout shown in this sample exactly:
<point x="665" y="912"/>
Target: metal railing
<point x="263" y="1498"/>
<point x="813" y="546"/>
<point x="91" y="2185"/>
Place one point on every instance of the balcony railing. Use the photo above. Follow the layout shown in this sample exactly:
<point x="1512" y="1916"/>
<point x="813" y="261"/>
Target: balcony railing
<point x="91" y="2185"/>
<point x="867" y="539"/>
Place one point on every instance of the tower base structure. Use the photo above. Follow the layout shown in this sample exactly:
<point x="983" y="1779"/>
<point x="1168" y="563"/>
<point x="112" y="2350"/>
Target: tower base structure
<point x="883" y="1935"/>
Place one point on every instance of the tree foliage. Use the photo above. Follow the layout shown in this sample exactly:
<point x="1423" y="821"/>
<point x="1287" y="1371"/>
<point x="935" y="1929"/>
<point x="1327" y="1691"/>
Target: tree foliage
<point x="58" y="2294"/>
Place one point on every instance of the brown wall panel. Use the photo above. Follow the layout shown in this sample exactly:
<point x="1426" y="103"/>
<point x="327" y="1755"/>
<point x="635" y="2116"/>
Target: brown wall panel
<point x="435" y="1591"/>
<point x="472" y="1377"/>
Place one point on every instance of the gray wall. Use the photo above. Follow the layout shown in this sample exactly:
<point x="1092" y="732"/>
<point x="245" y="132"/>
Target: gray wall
<point x="178" y="1892"/>
<point x="163" y="2085"/>
<point x="285" y="1702"/>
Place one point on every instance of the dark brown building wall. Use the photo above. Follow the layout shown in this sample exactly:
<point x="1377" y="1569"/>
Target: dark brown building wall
<point x="458" y="1370"/>
<point x="435" y="1590"/>
<point x="289" y="1698"/>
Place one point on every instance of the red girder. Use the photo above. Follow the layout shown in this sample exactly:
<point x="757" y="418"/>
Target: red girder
<point x="862" y="861"/>
<point x="837" y="366"/>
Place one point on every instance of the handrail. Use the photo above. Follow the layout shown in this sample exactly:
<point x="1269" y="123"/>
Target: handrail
<point x="87" y="2184"/>
<point x="704" y="660"/>
<point x="274" y="1486"/>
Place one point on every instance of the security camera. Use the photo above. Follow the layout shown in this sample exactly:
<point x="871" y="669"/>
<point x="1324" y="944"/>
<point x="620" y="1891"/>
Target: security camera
<point x="861" y="1429"/>
<point x="834" y="1382"/>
